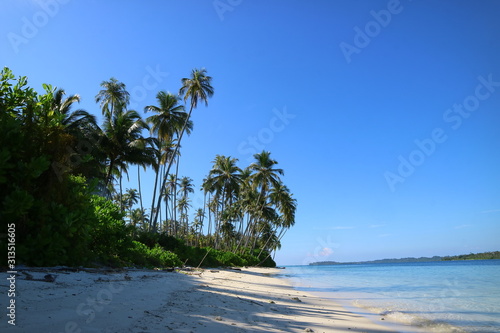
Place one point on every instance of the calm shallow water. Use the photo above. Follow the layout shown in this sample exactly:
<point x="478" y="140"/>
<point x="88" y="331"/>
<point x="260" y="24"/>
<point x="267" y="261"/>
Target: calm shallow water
<point x="444" y="296"/>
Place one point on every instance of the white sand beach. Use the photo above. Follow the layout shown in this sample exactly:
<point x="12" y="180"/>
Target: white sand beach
<point x="209" y="300"/>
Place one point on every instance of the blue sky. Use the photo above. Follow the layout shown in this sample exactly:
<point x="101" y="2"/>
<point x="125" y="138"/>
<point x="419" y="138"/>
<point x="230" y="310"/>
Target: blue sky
<point x="385" y="115"/>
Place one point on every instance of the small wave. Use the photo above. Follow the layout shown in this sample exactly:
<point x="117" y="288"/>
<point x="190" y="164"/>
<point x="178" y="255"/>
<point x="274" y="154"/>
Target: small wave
<point x="411" y="319"/>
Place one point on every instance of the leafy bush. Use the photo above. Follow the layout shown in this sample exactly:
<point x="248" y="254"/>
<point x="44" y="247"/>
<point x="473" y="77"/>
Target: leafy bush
<point x="54" y="233"/>
<point x="141" y="255"/>
<point x="111" y="237"/>
<point x="230" y="259"/>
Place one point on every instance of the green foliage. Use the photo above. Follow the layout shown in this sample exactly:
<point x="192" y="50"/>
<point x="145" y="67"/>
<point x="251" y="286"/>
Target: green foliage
<point x="143" y="256"/>
<point x="229" y="259"/>
<point x="111" y="237"/>
<point x="475" y="256"/>
<point x="52" y="160"/>
<point x="58" y="233"/>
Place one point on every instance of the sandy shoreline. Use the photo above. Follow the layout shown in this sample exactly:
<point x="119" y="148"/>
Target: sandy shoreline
<point x="250" y="300"/>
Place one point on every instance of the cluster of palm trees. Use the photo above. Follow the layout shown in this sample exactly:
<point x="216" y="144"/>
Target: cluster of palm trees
<point x="248" y="208"/>
<point x="244" y="208"/>
<point x="123" y="144"/>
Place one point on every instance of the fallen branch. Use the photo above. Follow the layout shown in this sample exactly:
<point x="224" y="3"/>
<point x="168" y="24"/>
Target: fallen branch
<point x="249" y="300"/>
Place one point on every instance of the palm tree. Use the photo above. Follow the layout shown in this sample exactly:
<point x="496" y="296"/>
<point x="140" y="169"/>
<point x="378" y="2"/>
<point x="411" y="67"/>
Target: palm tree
<point x="198" y="223"/>
<point x="197" y="88"/>
<point x="224" y="181"/>
<point x="139" y="216"/>
<point x="185" y="187"/>
<point x="170" y="193"/>
<point x="68" y="133"/>
<point x="112" y="97"/>
<point x="166" y="123"/>
<point x="281" y="198"/>
<point x="169" y="116"/>
<point x="73" y="121"/>
<point x="130" y="198"/>
<point x="183" y="206"/>
<point x="264" y="176"/>
<point x="123" y="142"/>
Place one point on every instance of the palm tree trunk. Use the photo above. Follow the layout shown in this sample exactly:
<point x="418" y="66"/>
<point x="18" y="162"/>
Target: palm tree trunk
<point x="140" y="191"/>
<point x="171" y="160"/>
<point x="121" y="194"/>
<point x="152" y="222"/>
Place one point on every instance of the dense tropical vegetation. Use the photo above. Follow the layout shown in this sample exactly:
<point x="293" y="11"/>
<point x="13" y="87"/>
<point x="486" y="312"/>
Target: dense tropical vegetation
<point x="61" y="183"/>
<point x="475" y="256"/>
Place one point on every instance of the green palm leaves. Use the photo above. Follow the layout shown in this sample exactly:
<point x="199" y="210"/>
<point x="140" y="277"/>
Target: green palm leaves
<point x="112" y="97"/>
<point x="197" y="88"/>
<point x="254" y="201"/>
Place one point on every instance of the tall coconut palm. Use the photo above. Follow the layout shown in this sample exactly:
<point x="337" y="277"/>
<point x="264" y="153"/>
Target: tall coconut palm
<point x="123" y="142"/>
<point x="68" y="132"/>
<point x="224" y="181"/>
<point x="130" y="198"/>
<point x="282" y="199"/>
<point x="112" y="97"/>
<point x="168" y="118"/>
<point x="198" y="224"/>
<point x="170" y="194"/>
<point x="185" y="188"/>
<point x="183" y="206"/>
<point x="77" y="120"/>
<point x="197" y="88"/>
<point x="264" y="174"/>
<point x="166" y="123"/>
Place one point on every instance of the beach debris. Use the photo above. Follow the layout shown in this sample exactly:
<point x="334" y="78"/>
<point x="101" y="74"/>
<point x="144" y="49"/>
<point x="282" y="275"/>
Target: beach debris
<point x="272" y="302"/>
<point x="100" y="279"/>
<point x="309" y="330"/>
<point x="296" y="299"/>
<point x="234" y="268"/>
<point x="49" y="278"/>
<point x="127" y="277"/>
<point x="214" y="271"/>
<point x="150" y="313"/>
<point x="28" y="276"/>
<point x="249" y="300"/>
<point x="218" y="318"/>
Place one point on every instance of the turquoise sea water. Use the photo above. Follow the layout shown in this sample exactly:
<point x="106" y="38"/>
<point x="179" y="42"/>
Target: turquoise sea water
<point x="444" y="296"/>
